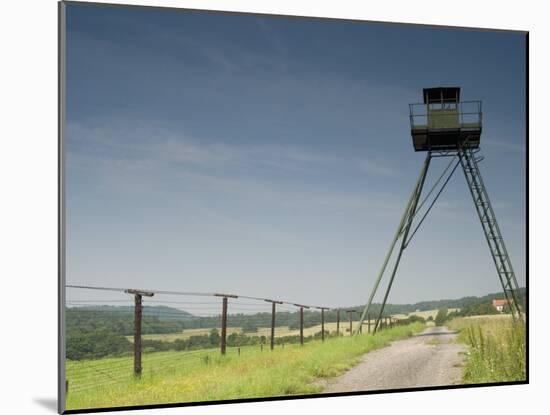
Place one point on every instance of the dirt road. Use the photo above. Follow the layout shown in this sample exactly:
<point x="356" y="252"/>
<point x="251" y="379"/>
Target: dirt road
<point x="430" y="358"/>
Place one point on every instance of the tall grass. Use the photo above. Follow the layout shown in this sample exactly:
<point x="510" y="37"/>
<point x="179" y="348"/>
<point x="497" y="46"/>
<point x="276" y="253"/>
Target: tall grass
<point x="175" y="377"/>
<point x="497" y="349"/>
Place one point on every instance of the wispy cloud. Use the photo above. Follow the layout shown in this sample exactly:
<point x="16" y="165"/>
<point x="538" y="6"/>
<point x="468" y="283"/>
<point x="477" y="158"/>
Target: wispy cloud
<point x="155" y="145"/>
<point x="181" y="169"/>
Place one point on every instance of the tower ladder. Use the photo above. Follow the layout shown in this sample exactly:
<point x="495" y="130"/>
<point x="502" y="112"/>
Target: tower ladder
<point x="503" y="264"/>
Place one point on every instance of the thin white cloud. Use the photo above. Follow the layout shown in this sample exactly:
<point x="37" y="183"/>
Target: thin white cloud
<point x="146" y="144"/>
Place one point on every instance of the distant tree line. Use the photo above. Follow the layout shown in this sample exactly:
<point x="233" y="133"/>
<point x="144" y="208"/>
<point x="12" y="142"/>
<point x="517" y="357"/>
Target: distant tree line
<point x="102" y="343"/>
<point x="99" y="331"/>
<point x="480" y="309"/>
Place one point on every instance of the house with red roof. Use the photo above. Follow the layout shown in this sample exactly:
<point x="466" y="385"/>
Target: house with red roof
<point x="499" y="305"/>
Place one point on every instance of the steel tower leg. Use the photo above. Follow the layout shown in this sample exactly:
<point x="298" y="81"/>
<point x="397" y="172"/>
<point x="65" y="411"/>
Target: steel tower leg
<point x="491" y="229"/>
<point x="402" y="231"/>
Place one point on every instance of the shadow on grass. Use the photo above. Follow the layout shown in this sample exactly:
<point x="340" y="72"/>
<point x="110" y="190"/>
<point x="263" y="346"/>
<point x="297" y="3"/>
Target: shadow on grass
<point x="48" y="403"/>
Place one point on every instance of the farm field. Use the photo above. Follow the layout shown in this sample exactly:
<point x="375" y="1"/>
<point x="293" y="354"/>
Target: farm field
<point x="281" y="331"/>
<point x="205" y="375"/>
<point x="424" y="314"/>
<point x="489" y="317"/>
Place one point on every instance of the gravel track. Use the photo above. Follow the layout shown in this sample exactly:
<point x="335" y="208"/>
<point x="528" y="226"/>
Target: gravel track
<point x="430" y="358"/>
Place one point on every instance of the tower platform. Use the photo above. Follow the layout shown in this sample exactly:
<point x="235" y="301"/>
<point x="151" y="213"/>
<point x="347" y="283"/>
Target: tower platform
<point x="443" y="122"/>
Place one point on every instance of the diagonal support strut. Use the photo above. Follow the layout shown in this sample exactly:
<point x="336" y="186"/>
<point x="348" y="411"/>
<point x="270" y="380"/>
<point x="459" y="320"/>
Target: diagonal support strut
<point x="402" y="230"/>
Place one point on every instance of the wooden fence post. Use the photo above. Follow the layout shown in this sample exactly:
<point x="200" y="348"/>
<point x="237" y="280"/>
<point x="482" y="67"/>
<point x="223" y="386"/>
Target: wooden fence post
<point x="138" y="295"/>
<point x="223" y="339"/>
<point x="272" y="344"/>
<point x="224" y="325"/>
<point x="273" y="302"/>
<point x="137" y="335"/>
<point x="350" y="313"/>
<point x="301" y="321"/>
<point x="322" y="322"/>
<point x="302" y="326"/>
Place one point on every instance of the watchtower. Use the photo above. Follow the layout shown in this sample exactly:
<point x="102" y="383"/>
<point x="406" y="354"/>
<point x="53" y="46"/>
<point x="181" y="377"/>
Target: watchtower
<point x="445" y="126"/>
<point x="443" y="122"/>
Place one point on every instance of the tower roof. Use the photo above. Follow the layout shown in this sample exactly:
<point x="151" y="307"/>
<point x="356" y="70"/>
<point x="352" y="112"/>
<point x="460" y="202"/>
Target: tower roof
<point x="442" y="93"/>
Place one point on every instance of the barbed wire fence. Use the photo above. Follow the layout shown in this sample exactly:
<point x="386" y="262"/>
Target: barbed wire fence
<point x="226" y="321"/>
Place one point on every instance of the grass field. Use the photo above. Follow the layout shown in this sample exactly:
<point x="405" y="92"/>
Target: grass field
<point x="497" y="348"/>
<point x="175" y="377"/>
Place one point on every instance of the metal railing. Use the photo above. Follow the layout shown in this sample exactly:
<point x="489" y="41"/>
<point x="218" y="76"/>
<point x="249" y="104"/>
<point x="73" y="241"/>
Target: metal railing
<point x="465" y="114"/>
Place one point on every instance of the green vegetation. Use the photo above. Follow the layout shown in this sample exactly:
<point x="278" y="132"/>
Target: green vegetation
<point x="441" y="317"/>
<point x="460" y="303"/>
<point x="497" y="348"/>
<point x="481" y="309"/>
<point x="101" y="331"/>
<point x="205" y="375"/>
<point x="120" y="320"/>
<point x="96" y="344"/>
<point x="102" y="343"/>
<point x="161" y="319"/>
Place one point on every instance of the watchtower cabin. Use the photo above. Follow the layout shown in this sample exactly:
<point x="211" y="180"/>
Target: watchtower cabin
<point x="443" y="122"/>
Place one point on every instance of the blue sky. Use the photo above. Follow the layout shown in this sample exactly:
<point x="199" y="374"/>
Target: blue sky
<point x="272" y="156"/>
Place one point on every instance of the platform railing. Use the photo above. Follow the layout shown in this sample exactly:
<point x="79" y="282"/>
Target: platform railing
<point x="465" y="114"/>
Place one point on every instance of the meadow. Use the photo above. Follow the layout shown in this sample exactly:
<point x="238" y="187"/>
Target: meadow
<point x="497" y="348"/>
<point x="205" y="375"/>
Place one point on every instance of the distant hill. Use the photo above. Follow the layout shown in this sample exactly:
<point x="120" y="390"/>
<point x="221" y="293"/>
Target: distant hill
<point x="120" y="319"/>
<point x="162" y="319"/>
<point x="160" y="311"/>
<point x="437" y="304"/>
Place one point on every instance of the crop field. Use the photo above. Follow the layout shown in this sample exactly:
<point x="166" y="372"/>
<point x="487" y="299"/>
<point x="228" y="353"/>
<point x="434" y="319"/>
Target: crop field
<point x="424" y="314"/>
<point x="205" y="375"/>
<point x="185" y="334"/>
<point x="497" y="348"/>
<point x="280" y="331"/>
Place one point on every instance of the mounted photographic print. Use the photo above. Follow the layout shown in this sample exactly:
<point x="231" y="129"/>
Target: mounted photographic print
<point x="258" y="207"/>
